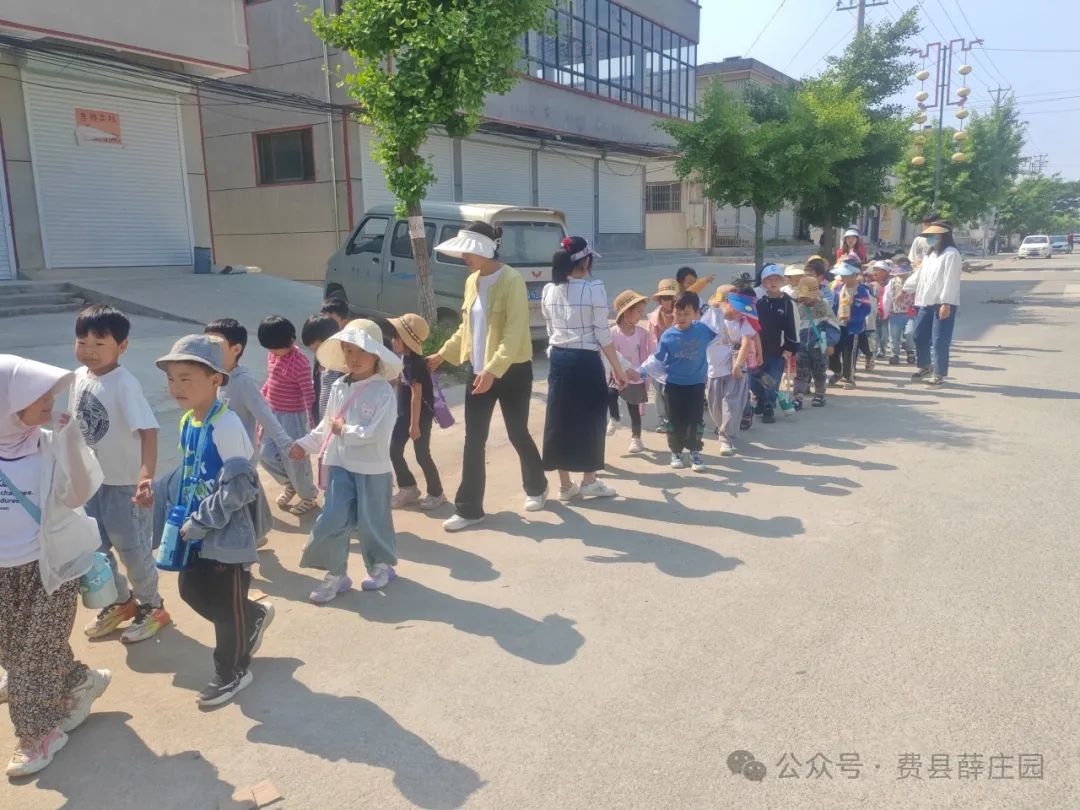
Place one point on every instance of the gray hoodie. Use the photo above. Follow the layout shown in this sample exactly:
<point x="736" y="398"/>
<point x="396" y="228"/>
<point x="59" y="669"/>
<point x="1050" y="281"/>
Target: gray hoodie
<point x="244" y="398"/>
<point x="229" y="520"/>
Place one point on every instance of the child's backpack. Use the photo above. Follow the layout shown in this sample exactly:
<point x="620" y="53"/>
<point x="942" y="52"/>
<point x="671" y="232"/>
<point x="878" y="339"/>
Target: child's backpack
<point x="443" y="416"/>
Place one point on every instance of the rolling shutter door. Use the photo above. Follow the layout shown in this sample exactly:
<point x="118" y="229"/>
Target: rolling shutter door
<point x="622" y="198"/>
<point x="496" y="174"/>
<point x="108" y="205"/>
<point x="438" y="149"/>
<point x="567" y="183"/>
<point x="7" y="253"/>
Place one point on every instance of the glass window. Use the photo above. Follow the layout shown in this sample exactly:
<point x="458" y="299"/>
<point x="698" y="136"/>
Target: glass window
<point x="368" y="237"/>
<point x="529" y="243"/>
<point x="401" y="242"/>
<point x="590" y="11"/>
<point x="285" y="157"/>
<point x="448" y="232"/>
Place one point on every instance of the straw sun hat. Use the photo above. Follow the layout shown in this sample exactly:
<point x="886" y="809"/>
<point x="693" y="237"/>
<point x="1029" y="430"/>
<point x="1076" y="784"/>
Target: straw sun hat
<point x="667" y="288"/>
<point x="626" y="300"/>
<point x="413" y="331"/>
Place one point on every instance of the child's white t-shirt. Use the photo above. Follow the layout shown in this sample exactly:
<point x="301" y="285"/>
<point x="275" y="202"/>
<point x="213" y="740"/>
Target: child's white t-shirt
<point x="19" y="542"/>
<point x="728" y="334"/>
<point x="109" y="410"/>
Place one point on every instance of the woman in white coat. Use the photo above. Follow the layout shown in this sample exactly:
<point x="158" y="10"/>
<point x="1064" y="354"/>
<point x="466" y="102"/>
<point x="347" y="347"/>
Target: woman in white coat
<point x="937" y="296"/>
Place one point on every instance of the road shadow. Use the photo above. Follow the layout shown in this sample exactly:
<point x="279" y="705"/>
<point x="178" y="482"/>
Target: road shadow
<point x="735" y="475"/>
<point x="669" y="555"/>
<point x="190" y="662"/>
<point x="106" y="764"/>
<point x="1019" y="391"/>
<point x="549" y="641"/>
<point x="291" y="715"/>
<point x="460" y="564"/>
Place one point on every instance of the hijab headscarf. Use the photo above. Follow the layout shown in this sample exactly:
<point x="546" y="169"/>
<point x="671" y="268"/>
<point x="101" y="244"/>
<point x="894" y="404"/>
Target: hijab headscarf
<point x="22" y="383"/>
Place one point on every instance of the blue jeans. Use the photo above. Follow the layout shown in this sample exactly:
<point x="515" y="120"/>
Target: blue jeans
<point x="354" y="502"/>
<point x="126" y="530"/>
<point x="774" y="367"/>
<point x="900" y="333"/>
<point x="282" y="468"/>
<point x="931" y="330"/>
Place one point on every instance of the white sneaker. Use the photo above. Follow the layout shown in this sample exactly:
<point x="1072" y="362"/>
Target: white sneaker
<point x="3" y="686"/>
<point x="381" y="576"/>
<point x="330" y="588"/>
<point x="697" y="463"/>
<point x="457" y="523"/>
<point x="636" y="445"/>
<point x="405" y="497"/>
<point x="534" y="503"/>
<point x="677" y="462"/>
<point x="32" y="756"/>
<point x="574" y="491"/>
<point x="612" y="426"/>
<point x="83" y="696"/>
<point x="727" y="450"/>
<point x="597" y="489"/>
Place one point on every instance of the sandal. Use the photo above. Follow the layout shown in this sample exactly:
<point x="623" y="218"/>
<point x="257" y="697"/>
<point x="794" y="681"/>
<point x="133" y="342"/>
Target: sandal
<point x="286" y="496"/>
<point x="818" y="401"/>
<point x="304" y="506"/>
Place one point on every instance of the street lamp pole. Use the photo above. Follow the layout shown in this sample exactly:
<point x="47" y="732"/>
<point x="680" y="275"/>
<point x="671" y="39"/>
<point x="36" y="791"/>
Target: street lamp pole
<point x="943" y="53"/>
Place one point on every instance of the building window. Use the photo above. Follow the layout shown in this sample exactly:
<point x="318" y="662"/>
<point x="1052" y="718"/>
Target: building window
<point x="609" y="51"/>
<point x="663" y="198"/>
<point x="284" y="157"/>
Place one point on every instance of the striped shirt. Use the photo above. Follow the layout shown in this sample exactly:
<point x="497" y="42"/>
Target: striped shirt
<point x="288" y="386"/>
<point x="577" y="314"/>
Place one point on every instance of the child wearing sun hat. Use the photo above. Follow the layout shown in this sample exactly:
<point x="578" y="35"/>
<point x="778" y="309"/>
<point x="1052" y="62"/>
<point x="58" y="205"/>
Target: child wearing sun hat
<point x="634" y="345"/>
<point x="660" y="320"/>
<point x="354" y="442"/>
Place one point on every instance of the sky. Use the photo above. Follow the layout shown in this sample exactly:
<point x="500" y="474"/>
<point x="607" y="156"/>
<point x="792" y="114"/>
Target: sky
<point x="1019" y="40"/>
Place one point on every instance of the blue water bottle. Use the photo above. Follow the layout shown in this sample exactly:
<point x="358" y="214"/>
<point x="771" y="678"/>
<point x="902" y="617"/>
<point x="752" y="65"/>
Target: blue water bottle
<point x="97" y="586"/>
<point x="174" y="551"/>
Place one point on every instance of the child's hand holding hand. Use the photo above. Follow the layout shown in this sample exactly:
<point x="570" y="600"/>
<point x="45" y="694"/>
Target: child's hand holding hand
<point x="737" y="372"/>
<point x="62" y="420"/>
<point x="144" y="493"/>
<point x="336" y="426"/>
<point x="296" y="453"/>
<point x="414" y="432"/>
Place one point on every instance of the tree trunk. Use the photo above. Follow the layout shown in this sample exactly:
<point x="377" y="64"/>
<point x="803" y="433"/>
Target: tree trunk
<point x="759" y="239"/>
<point x="828" y="247"/>
<point x="418" y="237"/>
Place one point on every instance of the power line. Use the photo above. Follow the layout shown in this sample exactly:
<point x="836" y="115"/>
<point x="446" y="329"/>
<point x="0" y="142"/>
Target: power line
<point x="1032" y="50"/>
<point x="847" y="35"/>
<point x="809" y="39"/>
<point x="765" y="27"/>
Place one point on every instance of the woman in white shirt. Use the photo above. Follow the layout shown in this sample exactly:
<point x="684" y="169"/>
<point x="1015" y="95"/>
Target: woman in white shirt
<point x="575" y="307"/>
<point x="937" y="295"/>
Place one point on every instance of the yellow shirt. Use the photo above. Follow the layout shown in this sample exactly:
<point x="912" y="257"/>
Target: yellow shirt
<point x="509" y="339"/>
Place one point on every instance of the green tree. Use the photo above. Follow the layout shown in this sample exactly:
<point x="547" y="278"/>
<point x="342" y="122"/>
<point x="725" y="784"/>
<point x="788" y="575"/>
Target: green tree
<point x="1040" y="205"/>
<point x="876" y="67"/>
<point x="422" y="65"/>
<point x="969" y="188"/>
<point x="768" y="147"/>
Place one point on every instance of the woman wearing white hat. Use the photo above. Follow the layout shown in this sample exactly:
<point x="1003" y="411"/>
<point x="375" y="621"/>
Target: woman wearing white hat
<point x="851" y="243"/>
<point x="354" y="442"/>
<point x="937" y="297"/>
<point x="494" y="336"/>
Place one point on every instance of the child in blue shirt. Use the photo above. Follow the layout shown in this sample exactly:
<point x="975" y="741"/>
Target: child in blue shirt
<point x="681" y="355"/>
<point x="219" y="485"/>
<point x="853" y="304"/>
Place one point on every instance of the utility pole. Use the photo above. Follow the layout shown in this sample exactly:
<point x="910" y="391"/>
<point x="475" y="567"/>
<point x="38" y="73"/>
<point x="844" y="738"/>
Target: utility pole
<point x="860" y="7"/>
<point x="997" y="93"/>
<point x="1033" y="165"/>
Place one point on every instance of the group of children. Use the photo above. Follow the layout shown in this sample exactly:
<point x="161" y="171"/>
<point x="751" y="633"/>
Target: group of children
<point x="356" y="409"/>
<point x="752" y="349"/>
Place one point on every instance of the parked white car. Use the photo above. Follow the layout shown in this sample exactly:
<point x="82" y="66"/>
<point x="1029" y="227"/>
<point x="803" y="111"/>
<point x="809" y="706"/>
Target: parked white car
<point x="1035" y="247"/>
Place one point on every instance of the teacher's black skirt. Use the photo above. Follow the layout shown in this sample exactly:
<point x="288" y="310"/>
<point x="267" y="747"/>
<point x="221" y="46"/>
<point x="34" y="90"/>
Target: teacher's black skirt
<point x="574" y="431"/>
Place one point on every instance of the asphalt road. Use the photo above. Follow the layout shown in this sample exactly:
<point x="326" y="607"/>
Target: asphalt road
<point x="892" y="577"/>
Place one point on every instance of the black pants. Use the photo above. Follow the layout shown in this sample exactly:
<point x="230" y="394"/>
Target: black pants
<point x="634" y="410"/>
<point x="421" y="449"/>
<point x="841" y="360"/>
<point x="864" y="345"/>
<point x="686" y="410"/>
<point x="513" y="393"/>
<point x="219" y="593"/>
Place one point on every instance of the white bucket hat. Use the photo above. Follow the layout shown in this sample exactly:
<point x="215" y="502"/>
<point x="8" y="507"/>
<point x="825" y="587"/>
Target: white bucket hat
<point x="368" y="336"/>
<point x="469" y="242"/>
<point x="852" y="232"/>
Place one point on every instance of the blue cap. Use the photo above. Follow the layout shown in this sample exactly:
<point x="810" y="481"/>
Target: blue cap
<point x="844" y="270"/>
<point x="772" y="270"/>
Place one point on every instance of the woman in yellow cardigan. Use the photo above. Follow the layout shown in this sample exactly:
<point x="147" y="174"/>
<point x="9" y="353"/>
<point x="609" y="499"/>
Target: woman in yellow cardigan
<point x="494" y="335"/>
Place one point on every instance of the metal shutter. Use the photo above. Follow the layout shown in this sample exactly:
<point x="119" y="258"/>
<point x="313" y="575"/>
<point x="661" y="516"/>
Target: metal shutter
<point x="567" y="183"/>
<point x="438" y="149"/>
<point x="622" y="198"/>
<point x="101" y="205"/>
<point x="7" y="252"/>
<point x="496" y="174"/>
